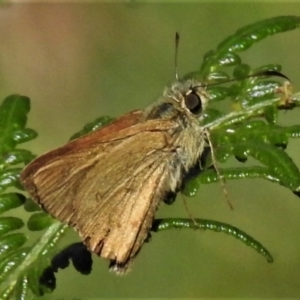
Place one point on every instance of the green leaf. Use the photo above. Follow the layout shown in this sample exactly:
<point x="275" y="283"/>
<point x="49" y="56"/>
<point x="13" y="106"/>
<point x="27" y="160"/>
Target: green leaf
<point x="243" y="39"/>
<point x="11" y="200"/>
<point x="31" y="206"/>
<point x="13" y="112"/>
<point x="10" y="242"/>
<point x="170" y="223"/>
<point x="11" y="263"/>
<point x="14" y="157"/>
<point x="13" y="118"/>
<point x="24" y="135"/>
<point x="9" y="223"/>
<point x="39" y="221"/>
<point x="210" y="176"/>
<point x="9" y="178"/>
<point x="279" y="163"/>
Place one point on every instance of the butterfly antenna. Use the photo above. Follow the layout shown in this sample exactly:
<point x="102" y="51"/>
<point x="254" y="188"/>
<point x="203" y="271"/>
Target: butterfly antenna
<point x="177" y="38"/>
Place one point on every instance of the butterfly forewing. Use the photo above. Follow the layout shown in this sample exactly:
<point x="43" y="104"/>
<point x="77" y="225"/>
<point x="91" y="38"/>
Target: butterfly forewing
<point x="101" y="188"/>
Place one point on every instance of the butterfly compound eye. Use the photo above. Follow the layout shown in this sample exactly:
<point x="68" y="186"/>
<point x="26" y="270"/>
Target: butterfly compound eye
<point x="193" y="103"/>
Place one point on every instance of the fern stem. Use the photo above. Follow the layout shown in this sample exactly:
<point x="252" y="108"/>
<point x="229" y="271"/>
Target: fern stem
<point x="47" y="241"/>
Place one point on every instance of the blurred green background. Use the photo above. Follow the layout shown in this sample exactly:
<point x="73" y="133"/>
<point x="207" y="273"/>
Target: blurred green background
<point x="80" y="61"/>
